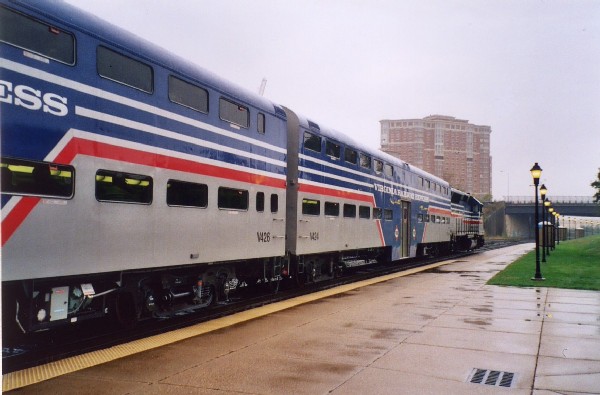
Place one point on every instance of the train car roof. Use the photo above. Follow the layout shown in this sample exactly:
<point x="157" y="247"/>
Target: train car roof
<point x="469" y="197"/>
<point x="81" y="20"/>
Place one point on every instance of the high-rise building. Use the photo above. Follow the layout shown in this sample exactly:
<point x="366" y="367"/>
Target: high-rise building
<point x="450" y="148"/>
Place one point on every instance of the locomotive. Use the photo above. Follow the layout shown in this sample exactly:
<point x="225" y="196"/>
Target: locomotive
<point x="136" y="184"/>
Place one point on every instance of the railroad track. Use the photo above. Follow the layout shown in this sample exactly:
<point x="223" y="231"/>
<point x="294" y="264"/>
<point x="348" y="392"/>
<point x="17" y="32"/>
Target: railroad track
<point x="45" y="347"/>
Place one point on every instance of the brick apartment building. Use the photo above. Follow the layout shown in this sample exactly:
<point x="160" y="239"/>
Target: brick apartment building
<point x="450" y="148"/>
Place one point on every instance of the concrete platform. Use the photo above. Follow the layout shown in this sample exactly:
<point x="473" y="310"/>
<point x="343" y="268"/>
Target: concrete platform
<point x="426" y="333"/>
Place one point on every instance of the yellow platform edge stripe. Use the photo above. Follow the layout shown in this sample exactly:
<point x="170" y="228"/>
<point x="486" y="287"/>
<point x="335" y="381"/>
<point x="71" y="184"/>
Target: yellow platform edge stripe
<point x="23" y="378"/>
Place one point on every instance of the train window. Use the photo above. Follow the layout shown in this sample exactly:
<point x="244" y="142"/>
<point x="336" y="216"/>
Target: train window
<point x="332" y="209"/>
<point x="260" y="123"/>
<point x="333" y="150"/>
<point x="233" y="199"/>
<point x="426" y="217"/>
<point x="420" y="218"/>
<point x="234" y="113"/>
<point x="186" y="194"/>
<point x="365" y="161"/>
<point x="350" y="156"/>
<point x="311" y="207"/>
<point x="260" y="202"/>
<point x="35" y="36"/>
<point x="364" y="212"/>
<point x="377" y="213"/>
<point x="274" y="203"/>
<point x="124" y="70"/>
<point x="388" y="170"/>
<point x="188" y="95"/>
<point x="23" y="177"/>
<point x="378" y="166"/>
<point x="349" y="211"/>
<point x="312" y="142"/>
<point x="388" y="214"/>
<point x="114" y="186"/>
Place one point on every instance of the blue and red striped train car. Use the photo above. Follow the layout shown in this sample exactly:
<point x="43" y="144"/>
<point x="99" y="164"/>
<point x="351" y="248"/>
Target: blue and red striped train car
<point x="135" y="183"/>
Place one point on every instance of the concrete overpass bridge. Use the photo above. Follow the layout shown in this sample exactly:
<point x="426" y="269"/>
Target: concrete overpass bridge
<point x="514" y="217"/>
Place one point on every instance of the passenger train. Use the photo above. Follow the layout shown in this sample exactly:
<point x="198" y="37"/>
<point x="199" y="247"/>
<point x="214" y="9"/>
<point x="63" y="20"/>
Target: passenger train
<point x="135" y="184"/>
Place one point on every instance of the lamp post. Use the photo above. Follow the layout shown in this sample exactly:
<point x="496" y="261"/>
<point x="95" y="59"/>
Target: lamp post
<point x="536" y="173"/>
<point x="547" y="207"/>
<point x="551" y="211"/>
<point x="558" y="228"/>
<point x="543" y="191"/>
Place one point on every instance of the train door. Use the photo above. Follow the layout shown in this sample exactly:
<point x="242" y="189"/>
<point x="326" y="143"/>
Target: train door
<point x="405" y="229"/>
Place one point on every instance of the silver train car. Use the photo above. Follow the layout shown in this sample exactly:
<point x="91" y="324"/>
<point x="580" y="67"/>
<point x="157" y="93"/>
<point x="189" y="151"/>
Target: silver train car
<point x="136" y="184"/>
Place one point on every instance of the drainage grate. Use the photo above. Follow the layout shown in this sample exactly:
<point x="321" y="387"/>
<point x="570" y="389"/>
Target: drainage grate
<point x="491" y="377"/>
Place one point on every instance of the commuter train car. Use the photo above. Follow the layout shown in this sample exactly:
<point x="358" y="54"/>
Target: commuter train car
<point x="136" y="184"/>
<point x="350" y="206"/>
<point x="119" y="163"/>
<point x="467" y="221"/>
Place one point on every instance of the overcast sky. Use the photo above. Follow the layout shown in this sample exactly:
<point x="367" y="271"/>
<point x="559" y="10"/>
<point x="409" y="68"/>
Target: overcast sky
<point x="530" y="69"/>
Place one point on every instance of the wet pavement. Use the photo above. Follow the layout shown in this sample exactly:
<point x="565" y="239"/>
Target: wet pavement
<point x="438" y="332"/>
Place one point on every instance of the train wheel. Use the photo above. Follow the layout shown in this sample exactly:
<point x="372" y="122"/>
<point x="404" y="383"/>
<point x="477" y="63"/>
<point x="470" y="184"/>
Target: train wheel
<point x="274" y="284"/>
<point x="209" y="298"/>
<point x="125" y="310"/>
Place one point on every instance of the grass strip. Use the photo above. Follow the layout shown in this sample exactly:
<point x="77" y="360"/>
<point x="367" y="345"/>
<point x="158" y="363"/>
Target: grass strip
<point x="573" y="264"/>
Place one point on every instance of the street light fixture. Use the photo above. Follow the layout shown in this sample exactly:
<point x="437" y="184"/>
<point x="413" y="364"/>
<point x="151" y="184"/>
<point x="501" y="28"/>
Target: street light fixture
<point x="543" y="191"/>
<point x="536" y="173"/>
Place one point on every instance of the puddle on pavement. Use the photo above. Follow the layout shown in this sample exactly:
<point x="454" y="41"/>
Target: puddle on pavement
<point x="478" y="322"/>
<point x="482" y="309"/>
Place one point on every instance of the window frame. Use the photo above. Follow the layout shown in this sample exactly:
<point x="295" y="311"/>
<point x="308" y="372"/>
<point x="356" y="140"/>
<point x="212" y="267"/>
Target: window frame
<point x="332" y="209"/>
<point x="274" y="203"/>
<point x="52" y="29"/>
<point x="378" y="166"/>
<point x="121" y="175"/>
<point x="377" y="213"/>
<point x="186" y="105"/>
<point x="260" y="202"/>
<point x="335" y="148"/>
<point x="364" y="212"/>
<point x="261" y="123"/>
<point x="369" y="164"/>
<point x="203" y="190"/>
<point x="355" y="152"/>
<point x="239" y="106"/>
<point x="305" y="205"/>
<point x="388" y="170"/>
<point x="388" y="214"/>
<point x="24" y="163"/>
<point x="221" y="203"/>
<point x="349" y="210"/>
<point x="130" y="59"/>
<point x="312" y="136"/>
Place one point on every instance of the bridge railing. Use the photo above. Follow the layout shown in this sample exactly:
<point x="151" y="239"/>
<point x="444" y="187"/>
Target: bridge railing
<point x="553" y="199"/>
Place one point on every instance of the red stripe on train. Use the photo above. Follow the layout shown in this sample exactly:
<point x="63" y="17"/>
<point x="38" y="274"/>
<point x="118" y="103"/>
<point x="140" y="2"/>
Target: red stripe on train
<point x="318" y="190"/>
<point x="336" y="193"/>
<point x="78" y="146"/>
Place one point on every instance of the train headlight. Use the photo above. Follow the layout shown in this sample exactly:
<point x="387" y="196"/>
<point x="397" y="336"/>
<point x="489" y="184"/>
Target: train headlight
<point x="41" y="315"/>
